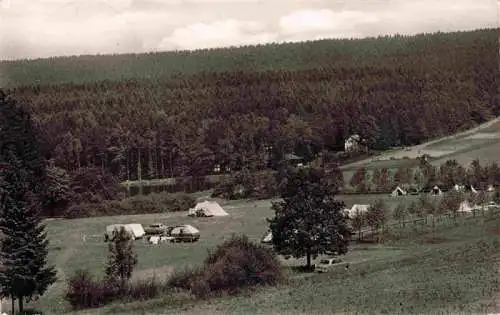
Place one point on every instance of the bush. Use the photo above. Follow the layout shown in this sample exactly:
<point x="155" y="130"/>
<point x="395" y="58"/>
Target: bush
<point x="234" y="265"/>
<point x="86" y="292"/>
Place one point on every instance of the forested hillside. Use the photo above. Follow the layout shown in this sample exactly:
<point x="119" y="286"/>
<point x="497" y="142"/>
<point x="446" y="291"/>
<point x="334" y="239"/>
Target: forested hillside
<point x="227" y="106"/>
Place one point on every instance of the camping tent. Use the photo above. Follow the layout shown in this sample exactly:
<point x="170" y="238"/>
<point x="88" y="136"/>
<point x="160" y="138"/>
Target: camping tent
<point x="436" y="191"/>
<point x="464" y="207"/>
<point x="357" y="209"/>
<point x="209" y="208"/>
<point x="398" y="191"/>
<point x="268" y="238"/>
<point x="136" y="229"/>
<point x="458" y="187"/>
<point x="491" y="188"/>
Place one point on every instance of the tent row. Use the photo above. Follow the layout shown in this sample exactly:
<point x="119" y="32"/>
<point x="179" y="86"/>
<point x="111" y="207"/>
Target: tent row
<point x="436" y="190"/>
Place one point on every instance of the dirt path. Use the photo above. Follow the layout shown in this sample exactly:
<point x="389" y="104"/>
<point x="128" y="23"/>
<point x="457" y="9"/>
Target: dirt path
<point x="417" y="150"/>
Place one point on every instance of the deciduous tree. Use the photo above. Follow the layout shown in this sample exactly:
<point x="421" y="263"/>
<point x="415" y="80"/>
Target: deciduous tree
<point x="121" y="258"/>
<point x="308" y="221"/>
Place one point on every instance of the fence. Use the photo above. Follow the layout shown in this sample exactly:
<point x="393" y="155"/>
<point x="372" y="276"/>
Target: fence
<point x="434" y="220"/>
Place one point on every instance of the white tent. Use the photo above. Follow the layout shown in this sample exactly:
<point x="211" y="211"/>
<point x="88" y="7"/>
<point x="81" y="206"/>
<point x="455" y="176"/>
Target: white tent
<point x="268" y="238"/>
<point x="491" y="188"/>
<point x="436" y="191"/>
<point x="458" y="187"/>
<point x="185" y="230"/>
<point x="356" y="209"/>
<point x="209" y="208"/>
<point x="398" y="191"/>
<point x="464" y="207"/>
<point x="136" y="229"/>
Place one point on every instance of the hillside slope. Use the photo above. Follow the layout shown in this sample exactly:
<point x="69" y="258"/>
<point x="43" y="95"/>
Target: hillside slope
<point x="392" y="91"/>
<point x="290" y="56"/>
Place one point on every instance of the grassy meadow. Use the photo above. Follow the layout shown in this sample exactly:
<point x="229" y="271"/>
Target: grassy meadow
<point x="481" y="142"/>
<point x="424" y="268"/>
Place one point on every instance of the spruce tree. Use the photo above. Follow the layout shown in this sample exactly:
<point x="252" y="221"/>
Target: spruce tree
<point x="24" y="248"/>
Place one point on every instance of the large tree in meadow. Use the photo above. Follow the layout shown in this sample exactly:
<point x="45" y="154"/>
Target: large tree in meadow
<point x="308" y="220"/>
<point x="23" y="252"/>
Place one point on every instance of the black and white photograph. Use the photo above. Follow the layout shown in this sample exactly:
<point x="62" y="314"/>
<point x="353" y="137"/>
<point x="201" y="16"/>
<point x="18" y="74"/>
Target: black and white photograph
<point x="281" y="157"/>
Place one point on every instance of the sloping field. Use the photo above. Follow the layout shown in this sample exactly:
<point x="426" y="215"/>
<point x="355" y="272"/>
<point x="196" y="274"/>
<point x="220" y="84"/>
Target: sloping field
<point x="450" y="269"/>
<point x="69" y="252"/>
<point x="481" y="142"/>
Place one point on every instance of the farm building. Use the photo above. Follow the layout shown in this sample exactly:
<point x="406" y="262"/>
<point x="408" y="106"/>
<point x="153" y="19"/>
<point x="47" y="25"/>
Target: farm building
<point x="398" y="191"/>
<point x="208" y="209"/>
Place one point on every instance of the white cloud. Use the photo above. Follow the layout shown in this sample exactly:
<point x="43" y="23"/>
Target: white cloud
<point x="216" y="34"/>
<point x="41" y="28"/>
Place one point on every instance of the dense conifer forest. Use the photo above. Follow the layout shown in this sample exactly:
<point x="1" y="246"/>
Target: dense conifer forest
<point x="181" y="114"/>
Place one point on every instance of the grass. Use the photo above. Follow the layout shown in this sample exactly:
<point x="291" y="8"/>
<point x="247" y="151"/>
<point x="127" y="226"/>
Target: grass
<point x="384" y="266"/>
<point x="411" y="276"/>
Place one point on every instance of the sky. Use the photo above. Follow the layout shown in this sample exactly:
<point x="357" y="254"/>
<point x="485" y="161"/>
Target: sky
<point x="43" y="28"/>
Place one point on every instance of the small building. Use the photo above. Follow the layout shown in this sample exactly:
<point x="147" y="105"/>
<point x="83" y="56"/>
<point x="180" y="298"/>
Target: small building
<point x="355" y="144"/>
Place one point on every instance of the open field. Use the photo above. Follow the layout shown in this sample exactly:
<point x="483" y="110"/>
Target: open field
<point x="389" y="263"/>
<point x="481" y="142"/>
<point x="453" y="268"/>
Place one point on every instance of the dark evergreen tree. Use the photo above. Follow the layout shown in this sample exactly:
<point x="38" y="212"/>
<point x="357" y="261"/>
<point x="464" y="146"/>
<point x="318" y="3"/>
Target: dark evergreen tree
<point x="25" y="273"/>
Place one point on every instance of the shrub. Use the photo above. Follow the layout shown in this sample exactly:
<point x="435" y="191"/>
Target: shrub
<point x="234" y="265"/>
<point x="86" y="292"/>
<point x="145" y="289"/>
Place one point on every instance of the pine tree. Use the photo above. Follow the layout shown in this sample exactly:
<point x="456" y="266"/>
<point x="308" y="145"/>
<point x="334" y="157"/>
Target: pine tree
<point x="121" y="258"/>
<point x="25" y="273"/>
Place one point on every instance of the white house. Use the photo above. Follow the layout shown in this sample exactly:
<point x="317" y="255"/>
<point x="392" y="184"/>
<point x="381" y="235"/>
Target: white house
<point x="354" y="144"/>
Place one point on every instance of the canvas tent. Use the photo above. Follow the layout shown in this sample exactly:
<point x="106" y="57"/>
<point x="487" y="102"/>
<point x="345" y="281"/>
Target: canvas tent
<point x="491" y="188"/>
<point x="464" y="207"/>
<point x="398" y="191"/>
<point x="268" y="238"/>
<point x="436" y="191"/>
<point x="135" y="229"/>
<point x="209" y="209"/>
<point x="458" y="187"/>
<point x="357" y="209"/>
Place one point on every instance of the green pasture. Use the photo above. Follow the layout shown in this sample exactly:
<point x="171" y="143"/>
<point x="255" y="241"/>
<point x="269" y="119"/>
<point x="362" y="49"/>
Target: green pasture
<point x="69" y="252"/>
